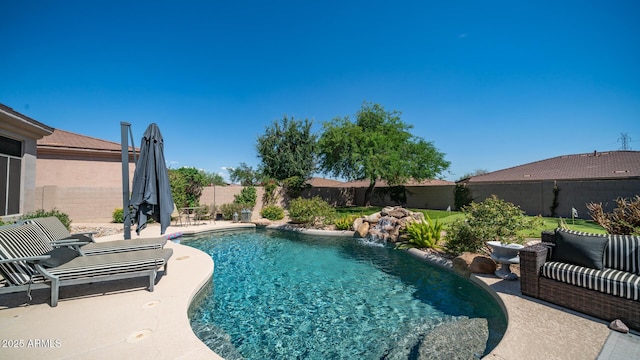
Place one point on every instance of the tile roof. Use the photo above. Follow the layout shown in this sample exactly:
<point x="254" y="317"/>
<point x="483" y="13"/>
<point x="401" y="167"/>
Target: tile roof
<point x="382" y="183"/>
<point x="65" y="140"/>
<point x="322" y="182"/>
<point x="595" y="165"/>
<point x="16" y="121"/>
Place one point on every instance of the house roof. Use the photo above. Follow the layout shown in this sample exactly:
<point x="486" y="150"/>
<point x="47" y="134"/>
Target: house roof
<point x="595" y="165"/>
<point x="13" y="121"/>
<point x="68" y="142"/>
<point x="322" y="182"/>
<point x="382" y="183"/>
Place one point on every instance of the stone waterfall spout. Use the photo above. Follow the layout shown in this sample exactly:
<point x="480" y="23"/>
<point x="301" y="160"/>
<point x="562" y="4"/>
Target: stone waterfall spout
<point x="385" y="226"/>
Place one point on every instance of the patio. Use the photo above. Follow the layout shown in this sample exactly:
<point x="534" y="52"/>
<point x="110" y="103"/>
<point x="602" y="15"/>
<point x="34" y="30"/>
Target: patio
<point x="140" y="324"/>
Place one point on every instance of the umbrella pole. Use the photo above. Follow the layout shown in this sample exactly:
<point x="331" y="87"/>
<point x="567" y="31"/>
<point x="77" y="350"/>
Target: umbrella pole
<point x="124" y="140"/>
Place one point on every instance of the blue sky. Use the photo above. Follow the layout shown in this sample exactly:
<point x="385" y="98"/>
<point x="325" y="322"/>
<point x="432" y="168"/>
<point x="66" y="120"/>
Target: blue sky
<point x="493" y="84"/>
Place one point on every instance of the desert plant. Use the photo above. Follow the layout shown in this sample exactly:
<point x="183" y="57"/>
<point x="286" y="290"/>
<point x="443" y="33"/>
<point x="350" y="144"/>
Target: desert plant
<point x="423" y="234"/>
<point x="228" y="210"/>
<point x="491" y="219"/>
<point x="247" y="197"/>
<point x="64" y="218"/>
<point x="312" y="212"/>
<point x="345" y="222"/>
<point x="623" y="220"/>
<point x="270" y="196"/>
<point x="202" y="211"/>
<point x="118" y="216"/>
<point x="272" y="212"/>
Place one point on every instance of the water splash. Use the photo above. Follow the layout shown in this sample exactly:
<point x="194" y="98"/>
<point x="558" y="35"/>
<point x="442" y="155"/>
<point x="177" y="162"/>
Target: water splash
<point x="380" y="233"/>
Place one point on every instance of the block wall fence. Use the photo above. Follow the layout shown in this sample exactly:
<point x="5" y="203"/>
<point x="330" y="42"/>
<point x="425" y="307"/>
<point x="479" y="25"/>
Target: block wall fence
<point x="96" y="204"/>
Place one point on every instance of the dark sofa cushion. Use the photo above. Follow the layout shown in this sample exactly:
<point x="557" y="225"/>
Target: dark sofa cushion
<point x="579" y="249"/>
<point x="59" y="256"/>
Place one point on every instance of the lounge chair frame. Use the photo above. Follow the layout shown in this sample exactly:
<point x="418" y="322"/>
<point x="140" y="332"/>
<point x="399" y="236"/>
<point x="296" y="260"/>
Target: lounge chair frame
<point x="99" y="268"/>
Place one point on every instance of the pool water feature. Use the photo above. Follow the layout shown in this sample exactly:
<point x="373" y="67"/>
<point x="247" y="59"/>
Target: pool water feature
<point x="282" y="295"/>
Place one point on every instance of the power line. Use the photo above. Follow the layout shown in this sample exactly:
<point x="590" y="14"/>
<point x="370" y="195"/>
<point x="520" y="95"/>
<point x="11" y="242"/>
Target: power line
<point x="624" y="139"/>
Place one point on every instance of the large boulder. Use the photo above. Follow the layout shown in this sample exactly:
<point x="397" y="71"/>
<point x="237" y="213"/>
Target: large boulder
<point x="469" y="263"/>
<point x="398" y="213"/>
<point x="362" y="230"/>
<point x="373" y="218"/>
<point x="357" y="223"/>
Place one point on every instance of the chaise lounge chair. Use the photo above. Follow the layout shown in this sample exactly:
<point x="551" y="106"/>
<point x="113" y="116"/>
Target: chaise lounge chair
<point x="58" y="235"/>
<point x="28" y="261"/>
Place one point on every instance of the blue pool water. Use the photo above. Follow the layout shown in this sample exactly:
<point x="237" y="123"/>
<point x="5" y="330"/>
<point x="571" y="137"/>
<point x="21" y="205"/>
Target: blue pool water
<point x="281" y="295"/>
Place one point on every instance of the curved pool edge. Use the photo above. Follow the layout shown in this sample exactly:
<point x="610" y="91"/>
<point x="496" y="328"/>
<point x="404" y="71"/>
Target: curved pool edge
<point x="430" y="258"/>
<point x="286" y="227"/>
<point x="532" y="330"/>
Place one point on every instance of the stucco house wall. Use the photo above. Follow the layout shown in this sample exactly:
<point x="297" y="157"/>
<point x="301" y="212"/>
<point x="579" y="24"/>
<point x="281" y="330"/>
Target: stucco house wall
<point x="80" y="176"/>
<point x="19" y="127"/>
<point x="598" y="177"/>
<point x="536" y="198"/>
<point x="80" y="172"/>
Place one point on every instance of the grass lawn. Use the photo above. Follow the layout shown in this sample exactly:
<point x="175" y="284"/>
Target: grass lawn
<point x="447" y="217"/>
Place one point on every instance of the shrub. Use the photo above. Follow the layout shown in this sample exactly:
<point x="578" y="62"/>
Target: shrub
<point x="247" y="197"/>
<point x="186" y="186"/>
<point x="345" y="222"/>
<point x="272" y="212"/>
<point x="624" y="220"/>
<point x="270" y="196"/>
<point x="227" y="210"/>
<point x="424" y="234"/>
<point x="118" y="216"/>
<point x="461" y="196"/>
<point x="294" y="185"/>
<point x="64" y="218"/>
<point x="312" y="212"/>
<point x="491" y="219"/>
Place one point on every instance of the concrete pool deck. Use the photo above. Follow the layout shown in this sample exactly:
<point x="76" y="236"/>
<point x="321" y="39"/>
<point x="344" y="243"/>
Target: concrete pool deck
<point x="121" y="319"/>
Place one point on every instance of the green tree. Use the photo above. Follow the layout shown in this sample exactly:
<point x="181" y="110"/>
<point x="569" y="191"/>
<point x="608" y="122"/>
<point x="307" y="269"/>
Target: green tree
<point x="475" y="172"/>
<point x="248" y="196"/>
<point x="288" y="149"/>
<point x="213" y="178"/>
<point x="186" y="186"/>
<point x="377" y="146"/>
<point x="244" y="174"/>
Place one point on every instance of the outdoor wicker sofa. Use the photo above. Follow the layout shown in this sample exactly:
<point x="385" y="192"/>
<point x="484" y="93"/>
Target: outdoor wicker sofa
<point x="598" y="275"/>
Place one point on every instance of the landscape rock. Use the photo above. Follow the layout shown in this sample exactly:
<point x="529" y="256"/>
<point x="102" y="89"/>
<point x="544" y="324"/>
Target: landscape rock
<point x="387" y="224"/>
<point x="468" y="263"/>
<point x="357" y="223"/>
<point x="373" y="218"/>
<point x="262" y="222"/>
<point x="461" y="267"/>
<point x="619" y="326"/>
<point x="363" y="229"/>
<point x="398" y="213"/>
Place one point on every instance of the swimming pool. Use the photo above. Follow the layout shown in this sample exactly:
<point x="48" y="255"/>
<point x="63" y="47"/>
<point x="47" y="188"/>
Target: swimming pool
<point x="282" y="295"/>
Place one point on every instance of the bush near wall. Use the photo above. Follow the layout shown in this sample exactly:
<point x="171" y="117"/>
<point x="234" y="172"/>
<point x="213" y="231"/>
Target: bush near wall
<point x="312" y="212"/>
<point x="40" y="213"/>
<point x="272" y="212"/>
<point x="228" y="210"/>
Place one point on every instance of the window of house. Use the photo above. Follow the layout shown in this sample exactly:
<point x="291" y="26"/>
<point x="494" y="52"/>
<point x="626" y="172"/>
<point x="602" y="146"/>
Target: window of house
<point x="10" y="170"/>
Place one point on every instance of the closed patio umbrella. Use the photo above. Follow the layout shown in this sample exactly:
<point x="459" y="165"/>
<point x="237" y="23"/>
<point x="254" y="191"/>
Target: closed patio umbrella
<point x="151" y="192"/>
